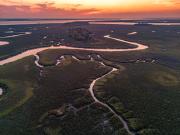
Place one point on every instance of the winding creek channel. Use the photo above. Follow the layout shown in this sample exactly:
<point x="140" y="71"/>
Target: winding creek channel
<point x="17" y="35"/>
<point x="93" y="83"/>
<point x="3" y="43"/>
<point x="1" y="91"/>
<point x="37" y="50"/>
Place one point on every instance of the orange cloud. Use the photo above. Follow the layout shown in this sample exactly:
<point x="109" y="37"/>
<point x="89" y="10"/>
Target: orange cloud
<point x="127" y="9"/>
<point x="46" y="10"/>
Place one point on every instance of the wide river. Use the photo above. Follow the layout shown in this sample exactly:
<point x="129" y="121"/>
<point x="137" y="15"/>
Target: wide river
<point x="83" y="20"/>
<point x="38" y="22"/>
<point x="133" y="23"/>
<point x="37" y="50"/>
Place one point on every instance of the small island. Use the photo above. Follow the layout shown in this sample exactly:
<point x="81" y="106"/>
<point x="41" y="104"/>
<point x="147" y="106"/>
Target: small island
<point x="80" y="34"/>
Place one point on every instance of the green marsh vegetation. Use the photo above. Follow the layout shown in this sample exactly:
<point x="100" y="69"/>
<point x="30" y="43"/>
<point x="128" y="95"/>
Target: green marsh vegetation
<point x="147" y="96"/>
<point x="145" y="93"/>
<point x="34" y="103"/>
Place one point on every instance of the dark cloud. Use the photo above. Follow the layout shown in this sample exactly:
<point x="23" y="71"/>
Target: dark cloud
<point x="12" y="2"/>
<point x="45" y="5"/>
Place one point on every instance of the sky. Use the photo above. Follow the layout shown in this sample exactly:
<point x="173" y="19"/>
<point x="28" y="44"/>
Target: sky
<point x="130" y="9"/>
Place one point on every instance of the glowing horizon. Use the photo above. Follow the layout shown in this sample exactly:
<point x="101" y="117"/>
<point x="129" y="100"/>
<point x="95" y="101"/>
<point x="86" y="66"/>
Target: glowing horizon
<point x="89" y="8"/>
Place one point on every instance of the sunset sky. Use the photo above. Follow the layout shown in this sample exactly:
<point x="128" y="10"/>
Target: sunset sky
<point x="89" y="8"/>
